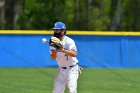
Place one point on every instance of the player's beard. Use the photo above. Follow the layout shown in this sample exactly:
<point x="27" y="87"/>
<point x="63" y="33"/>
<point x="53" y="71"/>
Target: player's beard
<point x="58" y="35"/>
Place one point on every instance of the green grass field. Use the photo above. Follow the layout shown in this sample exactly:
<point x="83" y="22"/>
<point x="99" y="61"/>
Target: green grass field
<point x="40" y="80"/>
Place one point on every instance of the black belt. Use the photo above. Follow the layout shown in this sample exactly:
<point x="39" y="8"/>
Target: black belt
<point x="69" y="66"/>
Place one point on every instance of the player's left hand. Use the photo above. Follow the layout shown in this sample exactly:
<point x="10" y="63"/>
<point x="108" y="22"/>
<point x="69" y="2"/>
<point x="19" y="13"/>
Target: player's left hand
<point x="56" y="43"/>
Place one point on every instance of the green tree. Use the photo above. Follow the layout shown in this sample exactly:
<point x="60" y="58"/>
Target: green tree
<point x="80" y="14"/>
<point x="2" y="4"/>
<point x="41" y="14"/>
<point x="99" y="15"/>
<point x="11" y="13"/>
<point x="131" y="15"/>
<point x="116" y="14"/>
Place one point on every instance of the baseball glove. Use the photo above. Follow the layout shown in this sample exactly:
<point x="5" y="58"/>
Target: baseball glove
<point x="55" y="42"/>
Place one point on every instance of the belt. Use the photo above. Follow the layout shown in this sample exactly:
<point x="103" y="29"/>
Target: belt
<point x="69" y="66"/>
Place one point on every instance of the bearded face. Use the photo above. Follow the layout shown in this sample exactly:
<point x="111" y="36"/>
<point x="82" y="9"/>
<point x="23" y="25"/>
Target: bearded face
<point x="59" y="33"/>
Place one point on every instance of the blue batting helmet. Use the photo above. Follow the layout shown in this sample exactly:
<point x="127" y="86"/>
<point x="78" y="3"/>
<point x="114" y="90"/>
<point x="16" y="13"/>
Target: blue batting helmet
<point x="59" y="25"/>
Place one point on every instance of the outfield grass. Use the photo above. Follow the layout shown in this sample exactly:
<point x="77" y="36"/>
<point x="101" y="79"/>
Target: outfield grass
<point x="40" y="80"/>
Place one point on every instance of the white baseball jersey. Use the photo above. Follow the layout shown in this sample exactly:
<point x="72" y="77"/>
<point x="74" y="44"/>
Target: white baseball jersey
<point x="63" y="59"/>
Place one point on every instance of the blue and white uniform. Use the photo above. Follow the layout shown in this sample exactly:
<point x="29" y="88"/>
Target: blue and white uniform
<point x="68" y="68"/>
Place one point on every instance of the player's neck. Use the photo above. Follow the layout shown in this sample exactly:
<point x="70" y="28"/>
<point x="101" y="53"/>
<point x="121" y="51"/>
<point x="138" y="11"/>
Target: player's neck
<point x="61" y="38"/>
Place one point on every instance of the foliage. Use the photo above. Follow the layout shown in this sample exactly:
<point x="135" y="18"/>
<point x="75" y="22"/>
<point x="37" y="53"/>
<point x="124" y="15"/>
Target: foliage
<point x="100" y="15"/>
<point x="41" y="14"/>
<point x="131" y="15"/>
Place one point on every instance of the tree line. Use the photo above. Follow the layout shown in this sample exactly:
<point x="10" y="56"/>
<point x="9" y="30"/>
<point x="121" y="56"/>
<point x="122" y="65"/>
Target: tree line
<point x="103" y="15"/>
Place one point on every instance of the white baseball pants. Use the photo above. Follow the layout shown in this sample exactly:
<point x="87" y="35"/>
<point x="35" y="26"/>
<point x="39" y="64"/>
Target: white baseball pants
<point x="66" y="77"/>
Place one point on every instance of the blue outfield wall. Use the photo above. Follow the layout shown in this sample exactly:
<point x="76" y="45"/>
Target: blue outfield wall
<point x="93" y="51"/>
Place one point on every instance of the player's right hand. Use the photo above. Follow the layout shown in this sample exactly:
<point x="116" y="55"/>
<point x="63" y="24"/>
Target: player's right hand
<point x="53" y="54"/>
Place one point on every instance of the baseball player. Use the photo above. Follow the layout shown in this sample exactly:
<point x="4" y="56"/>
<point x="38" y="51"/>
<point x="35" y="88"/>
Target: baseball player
<point x="63" y="49"/>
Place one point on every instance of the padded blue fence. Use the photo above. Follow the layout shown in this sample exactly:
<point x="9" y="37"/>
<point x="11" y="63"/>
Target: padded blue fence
<point x="93" y="51"/>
